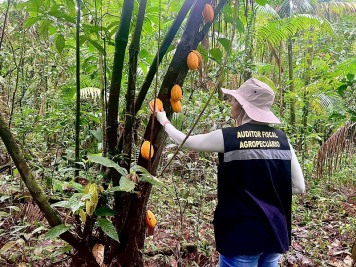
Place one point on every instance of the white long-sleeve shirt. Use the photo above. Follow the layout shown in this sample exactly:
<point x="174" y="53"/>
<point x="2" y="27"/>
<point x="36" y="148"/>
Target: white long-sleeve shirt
<point x="214" y="142"/>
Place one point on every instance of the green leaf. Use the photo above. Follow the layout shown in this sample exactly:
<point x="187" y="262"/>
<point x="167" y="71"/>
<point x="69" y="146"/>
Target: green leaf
<point x="96" y="45"/>
<point x="104" y="211"/>
<point x="43" y="29"/>
<point x="31" y="20"/>
<point x="145" y="176"/>
<point x="350" y="76"/>
<point x="261" y="2"/>
<point x="216" y="54"/>
<point x="91" y="28"/>
<point x="107" y="163"/>
<point x="341" y="89"/>
<point x="240" y="25"/>
<point x="75" y="204"/>
<point x="108" y="228"/>
<point x="57" y="231"/>
<point x="125" y="185"/>
<point x="60" y="43"/>
<point x="98" y="134"/>
<point x="225" y="43"/>
<point x="62" y="16"/>
<point x="62" y="204"/>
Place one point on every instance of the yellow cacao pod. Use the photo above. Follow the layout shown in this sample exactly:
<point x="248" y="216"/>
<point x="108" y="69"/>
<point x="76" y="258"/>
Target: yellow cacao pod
<point x="147" y="150"/>
<point x="176" y="106"/>
<point x="200" y="58"/>
<point x="208" y="13"/>
<point x="159" y="104"/>
<point x="150" y="219"/>
<point x="192" y="61"/>
<point x="176" y="92"/>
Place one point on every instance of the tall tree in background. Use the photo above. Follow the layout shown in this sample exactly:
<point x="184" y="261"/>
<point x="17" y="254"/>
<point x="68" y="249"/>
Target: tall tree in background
<point x="288" y="9"/>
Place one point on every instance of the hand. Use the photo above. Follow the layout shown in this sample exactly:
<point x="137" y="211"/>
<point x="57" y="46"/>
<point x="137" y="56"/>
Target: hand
<point x="160" y="115"/>
<point x="156" y="111"/>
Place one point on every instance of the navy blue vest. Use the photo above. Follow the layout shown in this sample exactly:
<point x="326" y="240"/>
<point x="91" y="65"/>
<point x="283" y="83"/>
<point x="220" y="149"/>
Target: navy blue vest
<point x="253" y="214"/>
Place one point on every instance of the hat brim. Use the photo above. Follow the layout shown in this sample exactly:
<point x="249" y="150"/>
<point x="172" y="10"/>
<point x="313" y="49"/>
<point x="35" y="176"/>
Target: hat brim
<point x="252" y="111"/>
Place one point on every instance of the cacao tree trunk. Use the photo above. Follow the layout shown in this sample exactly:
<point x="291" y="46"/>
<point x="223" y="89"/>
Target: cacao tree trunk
<point x="131" y="208"/>
<point x="121" y="41"/>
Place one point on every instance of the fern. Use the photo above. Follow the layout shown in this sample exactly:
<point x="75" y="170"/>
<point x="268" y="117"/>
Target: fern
<point x="336" y="7"/>
<point x="277" y="31"/>
<point x="90" y="92"/>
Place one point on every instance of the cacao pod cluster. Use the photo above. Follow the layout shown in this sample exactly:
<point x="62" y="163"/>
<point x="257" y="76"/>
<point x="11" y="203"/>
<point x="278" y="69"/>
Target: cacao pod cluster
<point x="176" y="96"/>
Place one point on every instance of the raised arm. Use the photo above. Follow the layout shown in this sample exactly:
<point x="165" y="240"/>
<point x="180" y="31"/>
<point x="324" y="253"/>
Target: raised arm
<point x="210" y="142"/>
<point x="298" y="184"/>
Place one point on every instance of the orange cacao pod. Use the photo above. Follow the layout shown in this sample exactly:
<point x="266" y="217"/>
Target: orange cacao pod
<point x="159" y="104"/>
<point x="176" y="106"/>
<point x="192" y="61"/>
<point x="200" y="59"/>
<point x="147" y="150"/>
<point x="208" y="13"/>
<point x="176" y="92"/>
<point x="150" y="219"/>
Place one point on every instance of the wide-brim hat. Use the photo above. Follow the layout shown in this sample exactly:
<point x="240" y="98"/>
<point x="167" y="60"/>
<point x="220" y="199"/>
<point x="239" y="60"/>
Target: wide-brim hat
<point x="256" y="98"/>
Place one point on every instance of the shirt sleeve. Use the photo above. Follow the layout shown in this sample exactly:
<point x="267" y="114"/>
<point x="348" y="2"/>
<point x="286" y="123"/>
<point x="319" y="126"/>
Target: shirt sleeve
<point x="209" y="142"/>
<point x="298" y="184"/>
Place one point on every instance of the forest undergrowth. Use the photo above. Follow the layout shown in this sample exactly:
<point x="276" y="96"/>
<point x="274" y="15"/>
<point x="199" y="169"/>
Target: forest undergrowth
<point x="324" y="220"/>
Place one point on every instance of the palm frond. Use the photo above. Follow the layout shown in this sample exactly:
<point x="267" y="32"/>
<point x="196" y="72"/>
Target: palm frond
<point x="90" y="92"/>
<point x="330" y="153"/>
<point x="277" y="31"/>
<point x="294" y="7"/>
<point x="267" y="10"/>
<point x="322" y="103"/>
<point x="345" y="67"/>
<point x="336" y="7"/>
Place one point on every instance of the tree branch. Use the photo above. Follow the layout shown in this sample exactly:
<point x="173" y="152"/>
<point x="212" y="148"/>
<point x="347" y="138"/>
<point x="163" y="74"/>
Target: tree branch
<point x="37" y="193"/>
<point x="5" y="20"/>
<point x="162" y="51"/>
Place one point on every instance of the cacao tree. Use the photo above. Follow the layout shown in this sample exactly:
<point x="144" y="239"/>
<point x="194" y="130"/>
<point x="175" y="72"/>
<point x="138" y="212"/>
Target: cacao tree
<point x="121" y="226"/>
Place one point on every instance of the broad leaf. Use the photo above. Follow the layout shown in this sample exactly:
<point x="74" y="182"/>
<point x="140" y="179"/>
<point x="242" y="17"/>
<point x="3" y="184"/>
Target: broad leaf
<point x="62" y="204"/>
<point x="60" y="42"/>
<point x="104" y="211"/>
<point x="97" y="45"/>
<point x="225" y="43"/>
<point x="216" y="54"/>
<point x="108" y="228"/>
<point x="125" y="185"/>
<point x="61" y="15"/>
<point x="31" y="20"/>
<point x="57" y="231"/>
<point x="240" y="25"/>
<point x="107" y="163"/>
<point x="145" y="176"/>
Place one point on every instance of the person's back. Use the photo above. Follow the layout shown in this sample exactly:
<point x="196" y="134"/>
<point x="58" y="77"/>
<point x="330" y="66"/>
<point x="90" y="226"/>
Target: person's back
<point x="258" y="172"/>
<point x="254" y="191"/>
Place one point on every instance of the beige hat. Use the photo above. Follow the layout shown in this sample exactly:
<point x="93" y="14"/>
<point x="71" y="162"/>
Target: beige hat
<point x="256" y="98"/>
